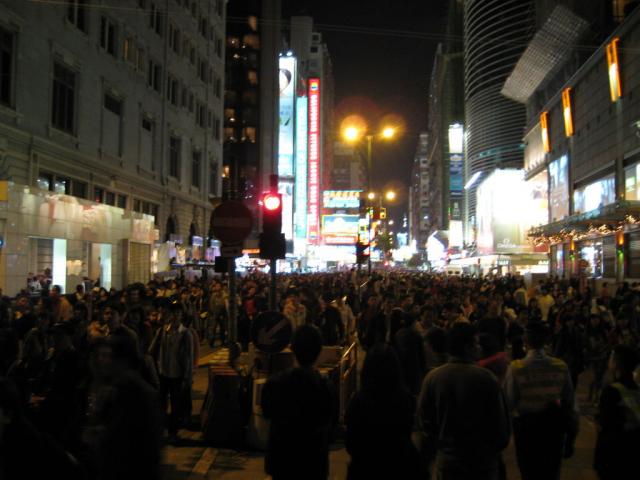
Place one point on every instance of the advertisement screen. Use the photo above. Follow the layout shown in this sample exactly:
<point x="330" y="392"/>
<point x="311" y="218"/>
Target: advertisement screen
<point x="285" y="187"/>
<point x="595" y="195"/>
<point x="340" y="229"/>
<point x="313" y="232"/>
<point x="456" y="174"/>
<point x="337" y="199"/>
<point x="301" y="169"/>
<point x="287" y="80"/>
<point x="559" y="188"/>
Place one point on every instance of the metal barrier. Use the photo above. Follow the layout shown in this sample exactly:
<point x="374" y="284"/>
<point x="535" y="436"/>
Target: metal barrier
<point x="348" y="378"/>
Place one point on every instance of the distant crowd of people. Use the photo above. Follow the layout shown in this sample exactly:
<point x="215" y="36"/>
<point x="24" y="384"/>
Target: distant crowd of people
<point x="94" y="382"/>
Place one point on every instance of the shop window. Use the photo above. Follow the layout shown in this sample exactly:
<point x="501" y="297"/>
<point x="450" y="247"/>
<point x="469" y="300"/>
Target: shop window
<point x="108" y="36"/>
<point x="63" y="98"/>
<point x="6" y="66"/>
<point x="77" y="14"/>
<point x="122" y="201"/>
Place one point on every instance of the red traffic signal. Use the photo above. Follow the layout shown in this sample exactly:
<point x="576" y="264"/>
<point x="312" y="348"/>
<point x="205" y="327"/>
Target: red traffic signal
<point x="271" y="201"/>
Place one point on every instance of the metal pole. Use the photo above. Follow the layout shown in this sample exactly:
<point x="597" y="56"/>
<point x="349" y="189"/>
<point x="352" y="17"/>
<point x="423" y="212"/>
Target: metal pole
<point x="369" y="185"/>
<point x="233" y="305"/>
<point x="273" y="294"/>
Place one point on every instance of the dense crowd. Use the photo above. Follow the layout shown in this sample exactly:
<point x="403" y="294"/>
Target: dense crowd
<point x="92" y="383"/>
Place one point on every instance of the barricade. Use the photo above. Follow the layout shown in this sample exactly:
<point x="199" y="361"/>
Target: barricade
<point x="348" y="378"/>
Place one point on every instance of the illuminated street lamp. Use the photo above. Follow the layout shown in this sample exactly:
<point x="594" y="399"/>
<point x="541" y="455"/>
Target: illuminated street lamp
<point x="371" y="195"/>
<point x="390" y="195"/>
<point x="351" y="134"/>
<point x="391" y="222"/>
<point x="388" y="132"/>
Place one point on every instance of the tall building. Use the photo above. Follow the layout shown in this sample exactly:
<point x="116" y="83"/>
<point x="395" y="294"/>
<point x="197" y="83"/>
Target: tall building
<point x="419" y="221"/>
<point x="582" y="137"/>
<point x="110" y="131"/>
<point x="495" y="34"/>
<point x="251" y="97"/>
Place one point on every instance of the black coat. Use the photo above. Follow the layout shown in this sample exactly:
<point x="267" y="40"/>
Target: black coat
<point x="302" y="407"/>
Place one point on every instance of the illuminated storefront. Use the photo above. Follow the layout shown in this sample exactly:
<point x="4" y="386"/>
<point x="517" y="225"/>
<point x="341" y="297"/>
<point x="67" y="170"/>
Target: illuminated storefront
<point x="70" y="240"/>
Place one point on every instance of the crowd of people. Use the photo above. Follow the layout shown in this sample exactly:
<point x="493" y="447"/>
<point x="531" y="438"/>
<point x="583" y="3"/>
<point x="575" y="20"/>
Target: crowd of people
<point x="94" y="382"/>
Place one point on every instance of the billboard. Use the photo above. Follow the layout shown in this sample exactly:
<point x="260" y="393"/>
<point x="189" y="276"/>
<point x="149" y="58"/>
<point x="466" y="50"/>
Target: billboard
<point x="313" y="231"/>
<point x="337" y="199"/>
<point x="287" y="81"/>
<point x="300" y="216"/>
<point x="456" y="174"/>
<point x="559" y="188"/>
<point x="506" y="211"/>
<point x="285" y="188"/>
<point x="340" y="229"/>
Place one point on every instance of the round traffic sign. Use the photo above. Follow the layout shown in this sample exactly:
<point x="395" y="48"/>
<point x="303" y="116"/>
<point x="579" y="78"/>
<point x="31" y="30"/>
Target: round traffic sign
<point x="231" y="222"/>
<point x="271" y="332"/>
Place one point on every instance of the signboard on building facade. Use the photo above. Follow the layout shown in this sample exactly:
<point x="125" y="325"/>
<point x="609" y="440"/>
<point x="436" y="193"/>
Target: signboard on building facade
<point x="301" y="169"/>
<point x="340" y="229"/>
<point x="340" y="199"/>
<point x="313" y="231"/>
<point x="287" y="81"/>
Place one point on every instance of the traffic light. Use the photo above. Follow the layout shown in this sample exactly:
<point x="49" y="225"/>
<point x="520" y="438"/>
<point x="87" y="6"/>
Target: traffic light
<point x="272" y="242"/>
<point x="361" y="256"/>
<point x="383" y="213"/>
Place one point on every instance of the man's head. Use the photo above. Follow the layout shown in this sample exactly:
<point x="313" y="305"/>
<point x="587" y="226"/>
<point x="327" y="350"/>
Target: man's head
<point x="536" y="334"/>
<point x="436" y="339"/>
<point x="306" y="345"/>
<point x="55" y="292"/>
<point x="462" y="340"/>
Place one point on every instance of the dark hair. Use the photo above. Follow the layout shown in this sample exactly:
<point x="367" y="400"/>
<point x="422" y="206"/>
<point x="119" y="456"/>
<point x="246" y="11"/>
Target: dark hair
<point x="381" y="370"/>
<point x="125" y="348"/>
<point x="461" y="338"/>
<point x="307" y="344"/>
<point x="489" y="344"/>
<point x="626" y="358"/>
<point x="536" y="334"/>
<point x="437" y="339"/>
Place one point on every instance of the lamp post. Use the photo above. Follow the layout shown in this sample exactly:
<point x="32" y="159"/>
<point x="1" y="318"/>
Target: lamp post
<point x="354" y="133"/>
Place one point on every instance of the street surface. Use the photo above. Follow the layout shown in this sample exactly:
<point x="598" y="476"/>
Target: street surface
<point x="191" y="459"/>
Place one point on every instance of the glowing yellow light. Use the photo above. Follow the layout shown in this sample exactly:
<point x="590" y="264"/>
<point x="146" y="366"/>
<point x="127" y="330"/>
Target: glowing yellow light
<point x="544" y="130"/>
<point x="390" y="195"/>
<point x="614" y="69"/>
<point x="388" y="132"/>
<point x="566" y="111"/>
<point x="371" y="195"/>
<point x="351" y="134"/>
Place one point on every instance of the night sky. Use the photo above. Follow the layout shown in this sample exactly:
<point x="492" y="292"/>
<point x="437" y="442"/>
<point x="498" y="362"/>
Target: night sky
<point x="382" y="54"/>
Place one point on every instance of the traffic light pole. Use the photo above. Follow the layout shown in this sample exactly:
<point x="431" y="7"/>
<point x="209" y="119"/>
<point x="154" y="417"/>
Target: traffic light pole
<point x="233" y="305"/>
<point x="273" y="294"/>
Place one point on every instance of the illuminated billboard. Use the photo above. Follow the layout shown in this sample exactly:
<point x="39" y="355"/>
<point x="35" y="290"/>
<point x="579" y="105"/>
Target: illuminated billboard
<point x="340" y="229"/>
<point x="285" y="188"/>
<point x="300" y="215"/>
<point x="506" y="209"/>
<point x="286" y="130"/>
<point x="336" y="199"/>
<point x="313" y="153"/>
<point x="559" y="188"/>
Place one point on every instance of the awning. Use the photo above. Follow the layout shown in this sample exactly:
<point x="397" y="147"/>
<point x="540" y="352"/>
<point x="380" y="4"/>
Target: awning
<point x="605" y="219"/>
<point x="547" y="51"/>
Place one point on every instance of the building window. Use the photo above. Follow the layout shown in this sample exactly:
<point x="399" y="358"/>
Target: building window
<point x="142" y="4"/>
<point x="233" y="42"/>
<point x="172" y="90"/>
<point x="217" y="129"/>
<point x="201" y="115"/>
<point x="191" y="102"/>
<point x="184" y="97"/>
<point x="229" y="134"/>
<point x="175" y="147"/>
<point x="219" y="47"/>
<point x="6" y="66"/>
<point x="112" y="124"/>
<point x="195" y="168"/>
<point x="108" y="36"/>
<point x="252" y="76"/>
<point x="204" y="28"/>
<point x="154" y="76"/>
<point x="110" y="198"/>
<point x="213" y="178"/>
<point x="77" y="14"/>
<point x="79" y="189"/>
<point x="147" y="124"/>
<point x="98" y="195"/>
<point x="155" y="19"/>
<point x="122" y="202"/>
<point x="202" y="70"/>
<point x="137" y="205"/>
<point x="252" y="21"/>
<point x="63" y="101"/>
<point x="230" y="114"/>
<point x="218" y="88"/>
<point x="146" y="143"/>
<point x="113" y="104"/>
<point x="174" y="38"/>
<point x="252" y="41"/>
<point x="249" y="134"/>
<point x="219" y="7"/>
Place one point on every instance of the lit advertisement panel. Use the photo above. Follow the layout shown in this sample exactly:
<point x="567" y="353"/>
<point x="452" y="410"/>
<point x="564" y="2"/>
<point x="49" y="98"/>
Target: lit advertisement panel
<point x="340" y="229"/>
<point x="337" y="199"/>
<point x="456" y="181"/>
<point x="301" y="169"/>
<point x="559" y="188"/>
<point x="286" y="130"/>
<point x="313" y="232"/>
<point x="285" y="188"/>
<point x="505" y="212"/>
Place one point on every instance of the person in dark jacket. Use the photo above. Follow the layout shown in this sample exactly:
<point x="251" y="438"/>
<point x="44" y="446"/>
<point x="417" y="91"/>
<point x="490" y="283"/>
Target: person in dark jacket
<point x="302" y="408"/>
<point x="330" y="322"/>
<point x="379" y="422"/>
<point x="619" y="418"/>
<point x="409" y="346"/>
<point x="462" y="416"/>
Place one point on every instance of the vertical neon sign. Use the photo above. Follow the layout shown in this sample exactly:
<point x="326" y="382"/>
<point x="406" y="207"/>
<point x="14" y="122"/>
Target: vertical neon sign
<point x="314" y="161"/>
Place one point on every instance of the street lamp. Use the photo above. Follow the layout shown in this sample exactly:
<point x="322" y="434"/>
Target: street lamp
<point x="390" y="195"/>
<point x="371" y="195"/>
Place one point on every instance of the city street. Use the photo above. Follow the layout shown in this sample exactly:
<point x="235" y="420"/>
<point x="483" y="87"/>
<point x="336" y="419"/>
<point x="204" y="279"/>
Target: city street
<point x="191" y="459"/>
